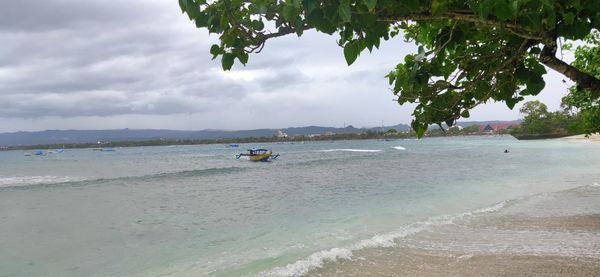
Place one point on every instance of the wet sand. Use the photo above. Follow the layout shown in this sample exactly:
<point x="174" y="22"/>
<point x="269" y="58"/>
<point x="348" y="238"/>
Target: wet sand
<point x="588" y="223"/>
<point x="527" y="239"/>
<point x="413" y="262"/>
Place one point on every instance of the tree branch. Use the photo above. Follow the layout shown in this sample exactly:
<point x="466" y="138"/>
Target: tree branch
<point x="468" y="17"/>
<point x="583" y="79"/>
<point x="261" y="38"/>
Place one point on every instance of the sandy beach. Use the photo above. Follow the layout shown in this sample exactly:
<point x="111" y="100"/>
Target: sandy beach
<point x="532" y="238"/>
<point x="412" y="262"/>
<point x="593" y="137"/>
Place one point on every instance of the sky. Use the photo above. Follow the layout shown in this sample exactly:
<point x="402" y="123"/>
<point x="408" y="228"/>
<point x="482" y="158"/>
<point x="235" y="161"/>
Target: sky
<point x="104" y="64"/>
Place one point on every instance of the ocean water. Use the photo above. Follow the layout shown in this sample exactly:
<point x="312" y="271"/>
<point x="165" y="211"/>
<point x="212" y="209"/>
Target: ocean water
<point x="196" y="210"/>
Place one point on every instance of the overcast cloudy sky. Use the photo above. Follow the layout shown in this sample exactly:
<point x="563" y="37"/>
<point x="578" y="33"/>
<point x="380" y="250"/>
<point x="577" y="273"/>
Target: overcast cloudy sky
<point x="99" y="64"/>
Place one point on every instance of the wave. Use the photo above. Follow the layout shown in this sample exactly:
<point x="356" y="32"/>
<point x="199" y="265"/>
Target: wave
<point x="318" y="259"/>
<point x="351" y="150"/>
<point x="191" y="173"/>
<point x="399" y="148"/>
<point x="35" y="181"/>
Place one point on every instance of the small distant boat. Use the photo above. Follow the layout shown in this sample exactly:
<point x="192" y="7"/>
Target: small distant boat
<point x="37" y="153"/>
<point x="234" y="145"/>
<point x="258" y="155"/>
<point x="103" y="149"/>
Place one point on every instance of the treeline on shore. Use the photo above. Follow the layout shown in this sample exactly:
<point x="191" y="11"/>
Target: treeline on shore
<point x="539" y="123"/>
<point x="390" y="134"/>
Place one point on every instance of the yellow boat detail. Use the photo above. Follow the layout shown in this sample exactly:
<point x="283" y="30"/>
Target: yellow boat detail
<point x="258" y="155"/>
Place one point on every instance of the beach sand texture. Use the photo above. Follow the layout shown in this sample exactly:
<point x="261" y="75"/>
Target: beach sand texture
<point x="593" y="137"/>
<point x="534" y="237"/>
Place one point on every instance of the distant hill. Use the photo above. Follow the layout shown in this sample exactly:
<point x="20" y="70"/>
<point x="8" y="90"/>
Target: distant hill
<point x="87" y="136"/>
<point x="492" y="122"/>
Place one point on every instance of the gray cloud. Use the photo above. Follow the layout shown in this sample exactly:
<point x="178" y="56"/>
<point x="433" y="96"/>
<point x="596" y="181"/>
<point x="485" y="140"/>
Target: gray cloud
<point x="76" y="64"/>
<point x="68" y="59"/>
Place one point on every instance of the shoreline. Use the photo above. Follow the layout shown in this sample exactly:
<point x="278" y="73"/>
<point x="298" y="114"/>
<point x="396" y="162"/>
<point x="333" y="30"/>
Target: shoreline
<point x="227" y="142"/>
<point x="413" y="262"/>
<point x="531" y="238"/>
<point x="593" y="138"/>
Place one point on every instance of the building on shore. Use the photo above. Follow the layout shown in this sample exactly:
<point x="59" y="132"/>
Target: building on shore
<point x="501" y="128"/>
<point x="281" y="134"/>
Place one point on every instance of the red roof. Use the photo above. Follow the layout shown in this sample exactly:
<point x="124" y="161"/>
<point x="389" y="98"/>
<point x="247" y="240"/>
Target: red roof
<point x="500" y="126"/>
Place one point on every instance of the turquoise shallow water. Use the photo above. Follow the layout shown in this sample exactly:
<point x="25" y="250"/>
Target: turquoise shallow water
<point x="195" y="210"/>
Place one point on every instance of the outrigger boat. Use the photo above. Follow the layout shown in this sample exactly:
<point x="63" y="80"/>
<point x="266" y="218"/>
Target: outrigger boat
<point x="258" y="155"/>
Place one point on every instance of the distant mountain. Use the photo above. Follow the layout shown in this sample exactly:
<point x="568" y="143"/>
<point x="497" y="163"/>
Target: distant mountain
<point x="87" y="136"/>
<point x="491" y="122"/>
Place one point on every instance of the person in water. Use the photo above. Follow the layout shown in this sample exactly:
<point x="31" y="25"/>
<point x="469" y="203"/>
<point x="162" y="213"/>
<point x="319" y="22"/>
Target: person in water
<point x="505" y="150"/>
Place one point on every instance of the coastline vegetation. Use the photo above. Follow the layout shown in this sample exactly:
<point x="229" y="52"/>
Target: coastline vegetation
<point x="539" y="123"/>
<point x="391" y="134"/>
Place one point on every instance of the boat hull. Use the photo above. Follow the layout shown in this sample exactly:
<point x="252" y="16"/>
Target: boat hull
<point x="260" y="158"/>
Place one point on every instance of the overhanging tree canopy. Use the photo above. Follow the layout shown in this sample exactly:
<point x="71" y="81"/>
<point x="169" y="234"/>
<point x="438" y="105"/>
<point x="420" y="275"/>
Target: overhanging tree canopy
<point x="470" y="52"/>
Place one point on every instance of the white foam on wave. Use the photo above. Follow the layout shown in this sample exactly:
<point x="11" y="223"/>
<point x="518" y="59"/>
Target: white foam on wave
<point x="34" y="180"/>
<point x="313" y="261"/>
<point x="197" y="155"/>
<point x="399" y="148"/>
<point x="318" y="259"/>
<point x="351" y="150"/>
<point x="596" y="185"/>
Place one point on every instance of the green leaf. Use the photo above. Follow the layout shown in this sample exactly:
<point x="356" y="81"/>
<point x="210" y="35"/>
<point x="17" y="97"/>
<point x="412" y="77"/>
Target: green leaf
<point x="535" y="85"/>
<point x="533" y="21"/>
<point x="309" y="6"/>
<point x="243" y="57"/>
<point x="289" y="13"/>
<point x="485" y="8"/>
<point x="215" y="50"/>
<point x="192" y="9"/>
<point x="438" y="7"/>
<point x="182" y="5"/>
<point x="201" y="20"/>
<point x="419" y="128"/>
<point x="299" y="26"/>
<point x="411" y="5"/>
<point x="569" y="18"/>
<point x="345" y="11"/>
<point x="227" y="61"/>
<point x="351" y="52"/>
<point x="503" y="11"/>
<point x="510" y="103"/>
<point x="258" y="25"/>
<point x="370" y="4"/>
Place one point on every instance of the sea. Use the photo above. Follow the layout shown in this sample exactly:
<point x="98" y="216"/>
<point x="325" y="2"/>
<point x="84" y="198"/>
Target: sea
<point x="199" y="211"/>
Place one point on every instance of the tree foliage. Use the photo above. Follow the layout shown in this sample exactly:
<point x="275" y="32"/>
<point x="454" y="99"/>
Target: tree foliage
<point x="469" y="52"/>
<point x="580" y="100"/>
<point x="538" y="120"/>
